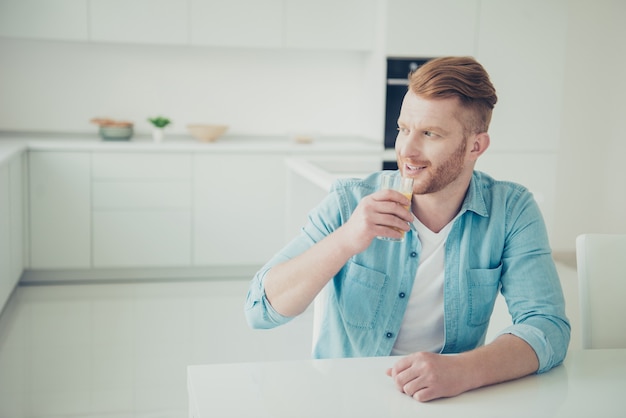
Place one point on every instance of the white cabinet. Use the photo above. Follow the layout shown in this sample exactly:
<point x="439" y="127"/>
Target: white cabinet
<point x="330" y="24"/>
<point x="44" y="19"/>
<point x="11" y="226"/>
<point x="60" y="210"/>
<point x="17" y="218"/>
<point x="238" y="23"/>
<point x="426" y="28"/>
<point x="141" y="209"/>
<point x="306" y="24"/>
<point x="522" y="45"/>
<point x="139" y="21"/>
<point x="6" y="287"/>
<point x="239" y="208"/>
<point x="298" y="24"/>
<point x="129" y="211"/>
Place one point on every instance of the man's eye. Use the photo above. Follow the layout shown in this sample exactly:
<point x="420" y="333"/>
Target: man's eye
<point x="404" y="131"/>
<point x="429" y="133"/>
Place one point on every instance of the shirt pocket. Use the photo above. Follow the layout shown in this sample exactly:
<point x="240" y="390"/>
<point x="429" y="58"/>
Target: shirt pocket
<point x="482" y="292"/>
<point x="360" y="297"/>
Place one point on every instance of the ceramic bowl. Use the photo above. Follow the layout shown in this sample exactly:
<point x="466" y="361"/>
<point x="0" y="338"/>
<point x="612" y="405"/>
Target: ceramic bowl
<point x="206" y="133"/>
<point x="116" y="133"/>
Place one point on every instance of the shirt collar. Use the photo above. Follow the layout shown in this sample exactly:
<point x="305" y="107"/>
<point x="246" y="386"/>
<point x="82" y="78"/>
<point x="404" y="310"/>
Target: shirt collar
<point x="474" y="199"/>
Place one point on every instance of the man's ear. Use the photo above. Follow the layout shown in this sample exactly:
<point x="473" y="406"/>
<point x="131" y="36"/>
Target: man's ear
<point x="479" y="145"/>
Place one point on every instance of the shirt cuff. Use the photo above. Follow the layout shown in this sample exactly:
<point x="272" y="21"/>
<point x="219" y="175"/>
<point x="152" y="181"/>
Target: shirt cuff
<point x="538" y="342"/>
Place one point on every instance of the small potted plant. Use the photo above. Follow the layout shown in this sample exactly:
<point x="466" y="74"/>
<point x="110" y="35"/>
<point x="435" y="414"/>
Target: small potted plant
<point x="159" y="124"/>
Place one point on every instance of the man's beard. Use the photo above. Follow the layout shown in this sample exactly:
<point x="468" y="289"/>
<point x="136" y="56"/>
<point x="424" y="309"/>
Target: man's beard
<point x="445" y="173"/>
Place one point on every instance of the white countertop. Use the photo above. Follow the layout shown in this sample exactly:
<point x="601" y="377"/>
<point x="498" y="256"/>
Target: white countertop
<point x="591" y="383"/>
<point x="324" y="171"/>
<point x="14" y="142"/>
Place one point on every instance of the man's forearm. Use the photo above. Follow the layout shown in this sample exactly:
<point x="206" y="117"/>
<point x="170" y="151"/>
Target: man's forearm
<point x="291" y="286"/>
<point x="508" y="357"/>
<point x="426" y="376"/>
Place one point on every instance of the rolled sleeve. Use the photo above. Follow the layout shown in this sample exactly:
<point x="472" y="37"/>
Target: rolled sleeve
<point x="258" y="311"/>
<point x="548" y="355"/>
<point x="260" y="314"/>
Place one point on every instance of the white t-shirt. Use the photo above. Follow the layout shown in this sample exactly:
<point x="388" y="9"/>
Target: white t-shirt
<point x="422" y="327"/>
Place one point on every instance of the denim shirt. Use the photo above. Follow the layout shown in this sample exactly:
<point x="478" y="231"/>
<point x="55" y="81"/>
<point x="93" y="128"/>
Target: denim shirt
<point x="497" y="243"/>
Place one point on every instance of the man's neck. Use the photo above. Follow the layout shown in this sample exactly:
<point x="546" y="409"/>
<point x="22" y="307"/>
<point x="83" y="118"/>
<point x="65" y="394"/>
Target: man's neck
<point x="436" y="210"/>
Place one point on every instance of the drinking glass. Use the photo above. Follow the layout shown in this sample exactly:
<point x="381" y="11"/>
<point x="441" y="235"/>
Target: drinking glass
<point x="403" y="185"/>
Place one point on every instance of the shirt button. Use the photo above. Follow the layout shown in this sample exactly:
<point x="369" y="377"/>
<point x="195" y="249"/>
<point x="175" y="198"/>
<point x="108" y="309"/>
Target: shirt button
<point x="389" y="335"/>
<point x="402" y="294"/>
<point x="413" y="254"/>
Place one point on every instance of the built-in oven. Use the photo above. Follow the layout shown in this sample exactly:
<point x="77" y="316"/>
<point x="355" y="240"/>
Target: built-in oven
<point x="398" y="70"/>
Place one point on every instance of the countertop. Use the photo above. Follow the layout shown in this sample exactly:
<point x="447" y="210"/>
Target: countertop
<point x="11" y="143"/>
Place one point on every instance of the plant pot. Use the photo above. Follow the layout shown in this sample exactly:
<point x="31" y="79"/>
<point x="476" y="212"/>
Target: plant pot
<point x="158" y="134"/>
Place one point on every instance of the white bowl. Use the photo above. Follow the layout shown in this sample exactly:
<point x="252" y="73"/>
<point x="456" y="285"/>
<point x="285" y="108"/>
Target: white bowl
<point x="207" y="133"/>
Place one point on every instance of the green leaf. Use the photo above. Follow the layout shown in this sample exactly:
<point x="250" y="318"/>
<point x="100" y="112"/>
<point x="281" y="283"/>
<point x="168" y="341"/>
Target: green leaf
<point x="160" y="121"/>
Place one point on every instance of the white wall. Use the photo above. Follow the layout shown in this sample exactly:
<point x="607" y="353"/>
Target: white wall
<point x="591" y="181"/>
<point x="60" y="86"/>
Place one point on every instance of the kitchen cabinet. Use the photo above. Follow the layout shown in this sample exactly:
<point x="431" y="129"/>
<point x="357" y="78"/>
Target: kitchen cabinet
<point x="11" y="225"/>
<point x="239" y="208"/>
<point x="44" y="19"/>
<point x="298" y="24"/>
<point x="17" y="225"/>
<point x="118" y="210"/>
<point x="139" y="21"/>
<point x="141" y="209"/>
<point x="60" y="209"/>
<point x="426" y="28"/>
<point x="237" y="23"/>
<point x="330" y="24"/>
<point x="6" y="286"/>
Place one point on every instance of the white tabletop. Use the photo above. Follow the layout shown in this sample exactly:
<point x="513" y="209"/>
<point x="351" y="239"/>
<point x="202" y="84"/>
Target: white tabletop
<point x="591" y="383"/>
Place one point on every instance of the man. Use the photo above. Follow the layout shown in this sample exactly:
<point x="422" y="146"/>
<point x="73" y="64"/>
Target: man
<point x="432" y="294"/>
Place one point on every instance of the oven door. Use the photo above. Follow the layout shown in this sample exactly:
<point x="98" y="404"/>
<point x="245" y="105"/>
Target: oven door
<point x="398" y="70"/>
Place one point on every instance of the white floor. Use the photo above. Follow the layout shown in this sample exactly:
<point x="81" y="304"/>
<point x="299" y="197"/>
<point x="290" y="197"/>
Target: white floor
<point x="121" y="350"/>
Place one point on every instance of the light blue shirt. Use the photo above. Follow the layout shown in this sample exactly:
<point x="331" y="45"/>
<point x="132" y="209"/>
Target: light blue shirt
<point x="497" y="243"/>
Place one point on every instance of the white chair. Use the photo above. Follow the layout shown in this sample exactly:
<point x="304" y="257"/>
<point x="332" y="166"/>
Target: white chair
<point x="319" y="309"/>
<point x="601" y="262"/>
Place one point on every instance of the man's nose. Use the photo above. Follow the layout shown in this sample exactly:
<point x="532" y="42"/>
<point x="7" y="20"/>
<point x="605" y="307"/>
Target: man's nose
<point x="409" y="145"/>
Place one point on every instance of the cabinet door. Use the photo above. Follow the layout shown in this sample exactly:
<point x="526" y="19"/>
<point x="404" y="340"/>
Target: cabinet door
<point x="11" y="227"/>
<point x="16" y="198"/>
<point x="140" y="21"/>
<point x="44" y="19"/>
<point x="112" y="166"/>
<point x="60" y="210"/>
<point x="239" y="23"/>
<point x="6" y="286"/>
<point x="330" y="24"/>
<point x="426" y="28"/>
<point x="146" y="238"/>
<point x="239" y="208"/>
<point x="141" y="209"/>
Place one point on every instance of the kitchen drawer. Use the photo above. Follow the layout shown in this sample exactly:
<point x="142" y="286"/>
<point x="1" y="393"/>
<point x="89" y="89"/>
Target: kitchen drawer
<point x="59" y="222"/>
<point x="170" y="194"/>
<point x="141" y="166"/>
<point x="142" y="238"/>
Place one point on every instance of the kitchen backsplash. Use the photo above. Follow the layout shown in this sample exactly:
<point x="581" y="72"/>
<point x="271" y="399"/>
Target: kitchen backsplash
<point x="60" y="86"/>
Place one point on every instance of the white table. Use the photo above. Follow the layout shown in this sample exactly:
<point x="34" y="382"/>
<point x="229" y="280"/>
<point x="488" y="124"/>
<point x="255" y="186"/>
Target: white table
<point x="591" y="383"/>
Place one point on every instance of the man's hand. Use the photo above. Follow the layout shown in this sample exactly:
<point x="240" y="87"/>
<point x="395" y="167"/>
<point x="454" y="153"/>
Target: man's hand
<point x="291" y="286"/>
<point x="426" y="376"/>
<point x="382" y="213"/>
